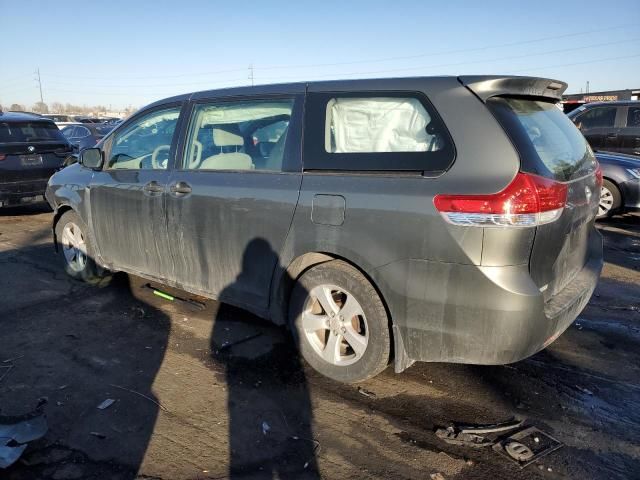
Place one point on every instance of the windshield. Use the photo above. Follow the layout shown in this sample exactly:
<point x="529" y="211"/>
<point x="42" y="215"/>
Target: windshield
<point x="27" y="132"/>
<point x="548" y="142"/>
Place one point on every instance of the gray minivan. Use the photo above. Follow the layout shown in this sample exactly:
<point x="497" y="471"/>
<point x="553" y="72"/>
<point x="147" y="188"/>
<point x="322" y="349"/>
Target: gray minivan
<point x="443" y="219"/>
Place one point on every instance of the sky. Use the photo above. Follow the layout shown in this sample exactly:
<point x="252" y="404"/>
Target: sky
<point x="129" y="53"/>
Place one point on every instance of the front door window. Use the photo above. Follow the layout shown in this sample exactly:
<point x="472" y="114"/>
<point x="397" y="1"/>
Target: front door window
<point x="145" y="144"/>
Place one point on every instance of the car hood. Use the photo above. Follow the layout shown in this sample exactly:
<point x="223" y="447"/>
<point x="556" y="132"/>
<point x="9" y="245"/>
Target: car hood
<point x="628" y="161"/>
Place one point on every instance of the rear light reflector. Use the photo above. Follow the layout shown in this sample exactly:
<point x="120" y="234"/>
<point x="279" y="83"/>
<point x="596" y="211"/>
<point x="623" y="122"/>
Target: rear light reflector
<point x="2" y="156"/>
<point x="598" y="177"/>
<point x="529" y="200"/>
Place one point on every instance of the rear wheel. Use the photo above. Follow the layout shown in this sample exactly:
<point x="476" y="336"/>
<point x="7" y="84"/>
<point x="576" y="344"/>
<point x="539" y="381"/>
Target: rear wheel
<point x="610" y="199"/>
<point x="76" y="249"/>
<point x="340" y="323"/>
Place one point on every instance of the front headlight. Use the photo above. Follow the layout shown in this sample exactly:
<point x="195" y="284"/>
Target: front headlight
<point x="634" y="171"/>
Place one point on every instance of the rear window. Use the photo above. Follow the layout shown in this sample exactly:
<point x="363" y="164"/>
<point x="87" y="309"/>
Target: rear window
<point x="28" y="132"/>
<point x="548" y="142"/>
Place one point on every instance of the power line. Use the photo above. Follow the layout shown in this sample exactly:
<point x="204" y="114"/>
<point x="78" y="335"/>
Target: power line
<point x="578" y="63"/>
<point x="456" y="64"/>
<point x="251" y="76"/>
<point x="373" y="60"/>
<point x="147" y="94"/>
<point x="450" y="52"/>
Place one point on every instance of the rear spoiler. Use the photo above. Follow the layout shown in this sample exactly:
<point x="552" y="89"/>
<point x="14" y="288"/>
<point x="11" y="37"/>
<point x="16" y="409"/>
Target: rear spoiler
<point x="486" y="86"/>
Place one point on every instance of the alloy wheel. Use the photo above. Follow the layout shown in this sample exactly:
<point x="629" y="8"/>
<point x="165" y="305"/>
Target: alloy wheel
<point x="74" y="247"/>
<point x="606" y="201"/>
<point x="335" y="325"/>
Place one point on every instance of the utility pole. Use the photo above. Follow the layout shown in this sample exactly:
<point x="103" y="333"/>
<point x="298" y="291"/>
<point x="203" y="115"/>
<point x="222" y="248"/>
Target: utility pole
<point x="587" y="87"/>
<point x="251" y="74"/>
<point x="39" y="84"/>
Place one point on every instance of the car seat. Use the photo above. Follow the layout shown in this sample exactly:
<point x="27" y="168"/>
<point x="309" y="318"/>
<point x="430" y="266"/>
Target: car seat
<point x="225" y="160"/>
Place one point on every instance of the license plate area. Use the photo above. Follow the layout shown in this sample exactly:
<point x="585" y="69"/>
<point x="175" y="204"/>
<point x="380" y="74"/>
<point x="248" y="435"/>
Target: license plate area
<point x="31" y="160"/>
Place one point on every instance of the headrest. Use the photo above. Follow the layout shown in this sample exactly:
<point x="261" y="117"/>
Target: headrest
<point x="222" y="138"/>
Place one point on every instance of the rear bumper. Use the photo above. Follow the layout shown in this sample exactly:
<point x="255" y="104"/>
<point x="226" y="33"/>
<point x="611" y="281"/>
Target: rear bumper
<point x="15" y="193"/>
<point x="480" y="315"/>
<point x="631" y="194"/>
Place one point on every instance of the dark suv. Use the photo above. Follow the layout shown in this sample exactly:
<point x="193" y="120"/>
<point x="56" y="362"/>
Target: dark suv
<point x="610" y="126"/>
<point x="431" y="219"/>
<point x="32" y="148"/>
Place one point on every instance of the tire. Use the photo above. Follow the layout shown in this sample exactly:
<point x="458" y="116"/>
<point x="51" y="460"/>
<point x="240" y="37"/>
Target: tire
<point x="610" y="200"/>
<point x="75" y="247"/>
<point x="350" y="350"/>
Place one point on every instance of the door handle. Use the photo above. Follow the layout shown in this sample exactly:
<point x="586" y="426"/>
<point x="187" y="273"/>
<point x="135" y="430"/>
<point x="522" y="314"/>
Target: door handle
<point x="180" y="188"/>
<point x="612" y="135"/>
<point x="153" y="187"/>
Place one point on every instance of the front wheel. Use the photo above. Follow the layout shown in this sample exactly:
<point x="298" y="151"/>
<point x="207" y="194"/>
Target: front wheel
<point x="76" y="249"/>
<point x="340" y="323"/>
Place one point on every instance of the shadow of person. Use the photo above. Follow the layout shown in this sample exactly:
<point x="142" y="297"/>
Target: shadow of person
<point x="269" y="406"/>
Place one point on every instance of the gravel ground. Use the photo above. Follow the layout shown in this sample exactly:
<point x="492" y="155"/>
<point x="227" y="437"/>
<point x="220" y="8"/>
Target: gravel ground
<point x="188" y="405"/>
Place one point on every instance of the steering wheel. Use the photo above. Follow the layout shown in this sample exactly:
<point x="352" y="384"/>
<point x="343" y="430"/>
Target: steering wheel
<point x="154" y="157"/>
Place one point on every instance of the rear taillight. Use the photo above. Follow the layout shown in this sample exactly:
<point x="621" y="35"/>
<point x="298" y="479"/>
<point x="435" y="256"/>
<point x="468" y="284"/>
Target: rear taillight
<point x="2" y="156"/>
<point x="598" y="177"/>
<point x="529" y="200"/>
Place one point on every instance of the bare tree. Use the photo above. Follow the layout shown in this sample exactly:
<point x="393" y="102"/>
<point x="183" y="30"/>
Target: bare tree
<point x="16" y="107"/>
<point x="57" y="107"/>
<point x="40" y="107"/>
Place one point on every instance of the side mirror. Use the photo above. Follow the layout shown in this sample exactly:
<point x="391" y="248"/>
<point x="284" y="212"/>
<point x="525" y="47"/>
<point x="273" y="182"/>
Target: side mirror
<point x="91" y="158"/>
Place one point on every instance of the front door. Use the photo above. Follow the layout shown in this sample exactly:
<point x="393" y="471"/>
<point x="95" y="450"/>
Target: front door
<point x="232" y="196"/>
<point x="127" y="196"/>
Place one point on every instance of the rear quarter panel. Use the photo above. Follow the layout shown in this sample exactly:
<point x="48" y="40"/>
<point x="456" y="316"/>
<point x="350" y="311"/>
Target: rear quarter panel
<point x="389" y="218"/>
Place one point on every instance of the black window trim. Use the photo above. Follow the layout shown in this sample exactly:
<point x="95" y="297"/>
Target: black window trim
<point x="316" y="159"/>
<point x="292" y="161"/>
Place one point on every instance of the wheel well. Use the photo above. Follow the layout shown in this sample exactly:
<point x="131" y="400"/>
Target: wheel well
<point x="280" y="305"/>
<point x="61" y="210"/>
<point x="615" y="184"/>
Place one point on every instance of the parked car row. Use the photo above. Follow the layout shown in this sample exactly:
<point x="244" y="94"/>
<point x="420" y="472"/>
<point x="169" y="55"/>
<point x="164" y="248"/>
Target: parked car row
<point x="398" y="220"/>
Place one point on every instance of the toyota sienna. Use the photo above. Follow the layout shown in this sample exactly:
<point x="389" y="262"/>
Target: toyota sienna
<point x="445" y="219"/>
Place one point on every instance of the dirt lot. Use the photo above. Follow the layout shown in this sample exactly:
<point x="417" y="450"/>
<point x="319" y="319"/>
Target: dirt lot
<point x="252" y="410"/>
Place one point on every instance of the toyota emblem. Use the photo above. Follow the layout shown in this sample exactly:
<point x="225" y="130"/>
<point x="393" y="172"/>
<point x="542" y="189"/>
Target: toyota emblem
<point x="31" y="148"/>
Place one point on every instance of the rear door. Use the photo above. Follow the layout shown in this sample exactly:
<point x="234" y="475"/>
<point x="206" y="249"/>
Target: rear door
<point x="233" y="194"/>
<point x="550" y="146"/>
<point x="127" y="197"/>
<point x="30" y="150"/>
<point x="630" y="132"/>
<point x="598" y="125"/>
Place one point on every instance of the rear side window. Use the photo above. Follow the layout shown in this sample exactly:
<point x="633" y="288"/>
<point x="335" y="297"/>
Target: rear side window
<point x="239" y="135"/>
<point x="378" y="124"/>
<point x="27" y="132"/>
<point x="549" y="144"/>
<point x="375" y="132"/>
<point x="600" y="117"/>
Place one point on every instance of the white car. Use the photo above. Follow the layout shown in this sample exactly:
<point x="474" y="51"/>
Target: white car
<point x="59" y="119"/>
